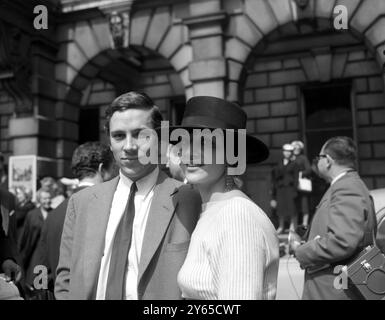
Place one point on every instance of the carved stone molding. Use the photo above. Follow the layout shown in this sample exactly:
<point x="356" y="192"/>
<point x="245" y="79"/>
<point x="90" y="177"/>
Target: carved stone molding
<point x="119" y="23"/>
<point x="116" y="11"/>
<point x="107" y="6"/>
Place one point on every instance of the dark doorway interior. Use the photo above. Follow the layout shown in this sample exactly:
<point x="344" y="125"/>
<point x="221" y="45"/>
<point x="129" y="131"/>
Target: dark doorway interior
<point x="89" y="122"/>
<point x="327" y="112"/>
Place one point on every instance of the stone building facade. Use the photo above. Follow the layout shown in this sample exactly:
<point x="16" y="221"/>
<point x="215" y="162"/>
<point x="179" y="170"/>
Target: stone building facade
<point x="296" y="75"/>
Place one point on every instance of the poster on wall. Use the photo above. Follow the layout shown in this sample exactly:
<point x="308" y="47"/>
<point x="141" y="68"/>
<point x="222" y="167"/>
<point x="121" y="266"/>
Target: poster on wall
<point x="22" y="174"/>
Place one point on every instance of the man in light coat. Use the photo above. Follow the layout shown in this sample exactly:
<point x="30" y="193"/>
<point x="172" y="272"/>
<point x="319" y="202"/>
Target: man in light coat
<point x="165" y="215"/>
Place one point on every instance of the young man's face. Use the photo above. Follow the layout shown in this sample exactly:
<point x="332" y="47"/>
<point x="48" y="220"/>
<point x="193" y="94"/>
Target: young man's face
<point x="125" y="127"/>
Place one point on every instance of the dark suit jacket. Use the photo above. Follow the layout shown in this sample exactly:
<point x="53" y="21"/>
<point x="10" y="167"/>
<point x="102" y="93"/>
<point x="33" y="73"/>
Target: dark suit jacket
<point x="344" y="221"/>
<point x="173" y="214"/>
<point x="49" y="244"/>
<point x="21" y="214"/>
<point x="8" y="249"/>
<point x="29" y="242"/>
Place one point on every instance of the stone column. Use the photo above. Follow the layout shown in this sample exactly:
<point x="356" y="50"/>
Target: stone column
<point x="36" y="132"/>
<point x="208" y="69"/>
<point x="32" y="53"/>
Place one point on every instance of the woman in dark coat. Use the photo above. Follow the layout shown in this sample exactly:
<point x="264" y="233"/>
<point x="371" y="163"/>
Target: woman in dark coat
<point x="302" y="200"/>
<point x="284" y="189"/>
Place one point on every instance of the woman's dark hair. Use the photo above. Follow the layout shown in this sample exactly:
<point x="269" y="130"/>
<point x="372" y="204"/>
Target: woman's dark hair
<point x="87" y="158"/>
<point x="343" y="150"/>
<point x="133" y="100"/>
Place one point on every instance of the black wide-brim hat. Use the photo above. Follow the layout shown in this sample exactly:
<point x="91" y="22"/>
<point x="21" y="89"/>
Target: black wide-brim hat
<point x="214" y="113"/>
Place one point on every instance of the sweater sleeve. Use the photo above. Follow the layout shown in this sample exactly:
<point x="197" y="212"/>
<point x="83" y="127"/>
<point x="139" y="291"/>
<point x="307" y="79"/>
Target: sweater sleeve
<point x="241" y="255"/>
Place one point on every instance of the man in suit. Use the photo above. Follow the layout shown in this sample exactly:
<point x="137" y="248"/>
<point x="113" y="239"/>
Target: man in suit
<point x="342" y="225"/>
<point x="92" y="163"/>
<point x="8" y="249"/>
<point x="30" y="238"/>
<point x="127" y="238"/>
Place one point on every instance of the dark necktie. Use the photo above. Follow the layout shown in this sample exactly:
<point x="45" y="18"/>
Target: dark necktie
<point x="116" y="281"/>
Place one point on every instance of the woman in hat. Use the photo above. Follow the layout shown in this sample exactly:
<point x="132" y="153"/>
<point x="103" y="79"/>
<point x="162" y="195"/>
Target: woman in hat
<point x="234" y="252"/>
<point x="304" y="167"/>
<point x="284" y="189"/>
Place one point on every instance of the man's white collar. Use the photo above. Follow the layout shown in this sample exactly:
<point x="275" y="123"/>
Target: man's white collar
<point x="338" y="177"/>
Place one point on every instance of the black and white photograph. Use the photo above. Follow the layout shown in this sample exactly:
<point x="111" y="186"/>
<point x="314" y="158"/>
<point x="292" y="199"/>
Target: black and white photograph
<point x="180" y="150"/>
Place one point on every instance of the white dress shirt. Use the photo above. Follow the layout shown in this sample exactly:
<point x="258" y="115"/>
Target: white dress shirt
<point x="85" y="184"/>
<point x="143" y="199"/>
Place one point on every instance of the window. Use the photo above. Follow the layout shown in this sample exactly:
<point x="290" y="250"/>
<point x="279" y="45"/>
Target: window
<point x="327" y="112"/>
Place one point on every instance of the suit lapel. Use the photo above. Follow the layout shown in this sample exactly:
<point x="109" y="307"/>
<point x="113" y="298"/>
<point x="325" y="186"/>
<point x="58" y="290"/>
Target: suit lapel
<point x="98" y="213"/>
<point x="161" y="211"/>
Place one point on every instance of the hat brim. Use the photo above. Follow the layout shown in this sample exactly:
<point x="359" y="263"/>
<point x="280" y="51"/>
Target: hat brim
<point x="256" y="150"/>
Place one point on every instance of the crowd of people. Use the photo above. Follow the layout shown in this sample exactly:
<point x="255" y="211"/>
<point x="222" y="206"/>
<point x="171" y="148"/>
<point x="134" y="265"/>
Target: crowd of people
<point x="186" y="232"/>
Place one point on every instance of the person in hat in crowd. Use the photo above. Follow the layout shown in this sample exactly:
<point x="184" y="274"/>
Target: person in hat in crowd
<point x="92" y="163"/>
<point x="284" y="178"/>
<point x="304" y="167"/>
<point x="30" y="238"/>
<point x="233" y="252"/>
<point x="128" y="237"/>
<point x="9" y="257"/>
<point x="342" y="226"/>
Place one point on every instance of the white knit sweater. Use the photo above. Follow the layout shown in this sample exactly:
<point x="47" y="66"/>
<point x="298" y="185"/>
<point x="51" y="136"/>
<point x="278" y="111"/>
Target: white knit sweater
<point x="233" y="254"/>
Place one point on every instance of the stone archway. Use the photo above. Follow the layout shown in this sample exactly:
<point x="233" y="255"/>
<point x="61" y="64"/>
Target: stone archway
<point x="85" y="54"/>
<point x="107" y="75"/>
<point x="154" y="29"/>
<point x="268" y="79"/>
<point x="256" y="19"/>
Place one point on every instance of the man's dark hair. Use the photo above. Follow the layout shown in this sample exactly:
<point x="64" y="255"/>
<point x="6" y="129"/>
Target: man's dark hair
<point x="133" y="100"/>
<point x="88" y="156"/>
<point x="343" y="150"/>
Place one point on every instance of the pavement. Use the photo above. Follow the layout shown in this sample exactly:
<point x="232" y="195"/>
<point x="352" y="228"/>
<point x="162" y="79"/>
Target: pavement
<point x="290" y="275"/>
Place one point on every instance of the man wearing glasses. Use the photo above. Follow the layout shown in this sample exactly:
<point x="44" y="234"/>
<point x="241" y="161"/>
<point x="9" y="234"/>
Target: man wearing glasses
<point x="343" y="217"/>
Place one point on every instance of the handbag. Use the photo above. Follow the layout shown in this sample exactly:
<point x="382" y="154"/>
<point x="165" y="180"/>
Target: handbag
<point x="366" y="273"/>
<point x="304" y="184"/>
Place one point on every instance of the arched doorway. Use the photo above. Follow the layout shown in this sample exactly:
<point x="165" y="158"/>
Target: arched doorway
<point x="306" y="81"/>
<point x="136" y="68"/>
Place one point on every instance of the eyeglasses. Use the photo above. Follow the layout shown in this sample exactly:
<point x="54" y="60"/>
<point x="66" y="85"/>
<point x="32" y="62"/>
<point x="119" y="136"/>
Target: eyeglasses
<point x="318" y="158"/>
